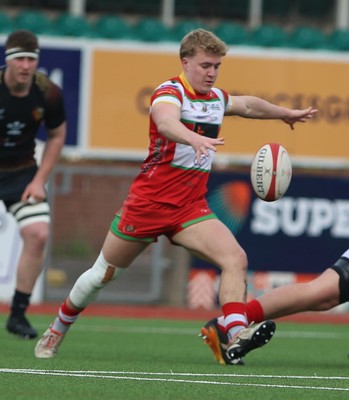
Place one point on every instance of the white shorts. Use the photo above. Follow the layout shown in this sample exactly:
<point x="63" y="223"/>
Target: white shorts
<point x="27" y="212"/>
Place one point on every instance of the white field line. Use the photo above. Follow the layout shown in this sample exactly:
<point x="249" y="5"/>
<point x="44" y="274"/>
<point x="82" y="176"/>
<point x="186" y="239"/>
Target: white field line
<point x="175" y="378"/>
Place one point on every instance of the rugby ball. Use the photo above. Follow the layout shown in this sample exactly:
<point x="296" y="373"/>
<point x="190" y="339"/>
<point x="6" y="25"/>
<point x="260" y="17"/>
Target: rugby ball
<point x="271" y="172"/>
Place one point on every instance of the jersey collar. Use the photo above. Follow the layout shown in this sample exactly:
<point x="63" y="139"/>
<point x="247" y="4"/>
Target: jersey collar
<point x="186" y="84"/>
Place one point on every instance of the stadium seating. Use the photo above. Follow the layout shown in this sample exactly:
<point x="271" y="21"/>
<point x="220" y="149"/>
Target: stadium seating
<point x="70" y="25"/>
<point x="112" y="27"/>
<point x="339" y="40"/>
<point x="183" y="27"/>
<point x="33" y="21"/>
<point x="150" y="30"/>
<point x="308" y="38"/>
<point x="231" y="33"/>
<point x="268" y="36"/>
<point x="6" y="24"/>
<point x="230" y="17"/>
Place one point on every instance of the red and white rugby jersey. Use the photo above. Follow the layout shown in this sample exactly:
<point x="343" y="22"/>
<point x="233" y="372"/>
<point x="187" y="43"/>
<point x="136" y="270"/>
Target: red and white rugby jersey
<point x="170" y="174"/>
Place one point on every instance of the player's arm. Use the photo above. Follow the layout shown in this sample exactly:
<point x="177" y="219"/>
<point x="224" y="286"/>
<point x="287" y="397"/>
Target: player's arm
<point x="166" y="117"/>
<point x="51" y="154"/>
<point x="257" y="108"/>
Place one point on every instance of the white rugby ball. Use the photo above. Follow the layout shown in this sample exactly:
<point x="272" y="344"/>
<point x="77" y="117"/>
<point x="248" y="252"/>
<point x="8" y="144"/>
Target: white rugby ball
<point x="271" y="172"/>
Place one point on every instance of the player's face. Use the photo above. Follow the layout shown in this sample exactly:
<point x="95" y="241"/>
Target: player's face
<point x="201" y="70"/>
<point x="22" y="69"/>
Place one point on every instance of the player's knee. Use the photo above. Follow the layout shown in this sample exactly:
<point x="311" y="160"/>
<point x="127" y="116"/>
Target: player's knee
<point x="41" y="234"/>
<point x="341" y="266"/>
<point x="98" y="275"/>
<point x="88" y="285"/>
<point x="237" y="261"/>
<point x="241" y="260"/>
<point x="103" y="272"/>
<point x="36" y="235"/>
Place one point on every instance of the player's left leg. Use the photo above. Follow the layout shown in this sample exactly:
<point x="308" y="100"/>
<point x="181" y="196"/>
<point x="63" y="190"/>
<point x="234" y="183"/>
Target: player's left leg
<point x="210" y="239"/>
<point x="33" y="220"/>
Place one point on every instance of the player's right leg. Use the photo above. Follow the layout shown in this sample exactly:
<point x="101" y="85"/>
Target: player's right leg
<point x="215" y="337"/>
<point x="232" y="352"/>
<point x="86" y="289"/>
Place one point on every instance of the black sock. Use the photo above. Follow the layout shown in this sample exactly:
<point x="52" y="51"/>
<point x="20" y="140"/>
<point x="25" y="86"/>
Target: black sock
<point x="20" y="303"/>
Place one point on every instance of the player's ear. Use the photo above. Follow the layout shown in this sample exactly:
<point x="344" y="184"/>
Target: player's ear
<point x="185" y="63"/>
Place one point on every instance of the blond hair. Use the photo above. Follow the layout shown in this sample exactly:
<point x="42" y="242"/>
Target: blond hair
<point x="204" y="40"/>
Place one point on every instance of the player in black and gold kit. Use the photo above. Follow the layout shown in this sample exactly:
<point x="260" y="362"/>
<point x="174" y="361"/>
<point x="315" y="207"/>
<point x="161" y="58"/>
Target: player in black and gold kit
<point x="27" y="100"/>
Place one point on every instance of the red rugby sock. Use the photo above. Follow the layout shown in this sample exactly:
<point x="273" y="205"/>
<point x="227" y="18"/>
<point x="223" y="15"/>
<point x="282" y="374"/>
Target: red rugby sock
<point x="254" y="311"/>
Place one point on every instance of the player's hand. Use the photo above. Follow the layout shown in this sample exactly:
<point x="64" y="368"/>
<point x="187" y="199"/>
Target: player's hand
<point x="203" y="144"/>
<point x="300" y="116"/>
<point x="34" y="193"/>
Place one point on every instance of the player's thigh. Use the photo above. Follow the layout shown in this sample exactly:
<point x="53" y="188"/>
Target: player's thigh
<point x="212" y="240"/>
<point x="121" y="252"/>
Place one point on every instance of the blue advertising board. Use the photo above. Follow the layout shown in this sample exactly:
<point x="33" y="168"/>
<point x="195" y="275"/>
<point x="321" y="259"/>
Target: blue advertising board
<point x="64" y="64"/>
<point x="305" y="231"/>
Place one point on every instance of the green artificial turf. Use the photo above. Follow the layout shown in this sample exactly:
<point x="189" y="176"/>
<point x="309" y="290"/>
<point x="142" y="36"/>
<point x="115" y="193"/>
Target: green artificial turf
<point x="110" y="358"/>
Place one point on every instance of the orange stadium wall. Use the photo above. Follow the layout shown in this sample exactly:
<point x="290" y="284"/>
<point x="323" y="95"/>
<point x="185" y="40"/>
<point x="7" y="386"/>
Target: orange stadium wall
<point x="123" y="80"/>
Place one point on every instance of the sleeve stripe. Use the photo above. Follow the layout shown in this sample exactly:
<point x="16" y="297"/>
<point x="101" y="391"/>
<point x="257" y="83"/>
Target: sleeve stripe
<point x="167" y="99"/>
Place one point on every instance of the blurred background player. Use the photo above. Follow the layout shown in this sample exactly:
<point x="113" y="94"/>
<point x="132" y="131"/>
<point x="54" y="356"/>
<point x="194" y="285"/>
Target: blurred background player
<point x="328" y="290"/>
<point x="168" y="195"/>
<point x="27" y="99"/>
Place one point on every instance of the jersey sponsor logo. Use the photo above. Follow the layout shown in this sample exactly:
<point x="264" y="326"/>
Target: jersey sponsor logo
<point x="205" y="129"/>
<point x="204" y="107"/>
<point x="204" y="160"/>
<point x="157" y="154"/>
<point x="169" y="85"/>
<point x="15" y="128"/>
<point x="166" y="90"/>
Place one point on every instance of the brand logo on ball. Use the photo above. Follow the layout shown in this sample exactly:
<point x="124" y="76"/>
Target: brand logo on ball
<point x="271" y="172"/>
<point x="261" y="171"/>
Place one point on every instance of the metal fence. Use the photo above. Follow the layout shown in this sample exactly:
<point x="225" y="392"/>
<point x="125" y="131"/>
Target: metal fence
<point x="84" y="199"/>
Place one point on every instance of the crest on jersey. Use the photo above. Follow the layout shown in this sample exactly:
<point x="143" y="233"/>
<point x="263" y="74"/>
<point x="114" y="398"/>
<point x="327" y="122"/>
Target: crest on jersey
<point x="38" y="113"/>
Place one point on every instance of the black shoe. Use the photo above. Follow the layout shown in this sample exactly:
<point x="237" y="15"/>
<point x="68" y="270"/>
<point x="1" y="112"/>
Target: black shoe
<point x="250" y="338"/>
<point x="218" y="341"/>
<point x="21" y="327"/>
